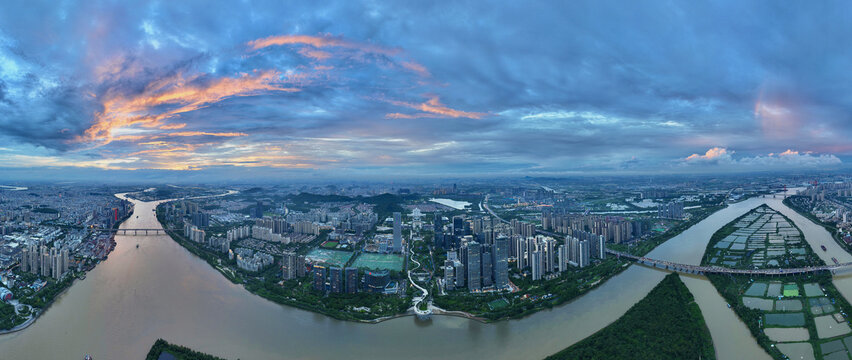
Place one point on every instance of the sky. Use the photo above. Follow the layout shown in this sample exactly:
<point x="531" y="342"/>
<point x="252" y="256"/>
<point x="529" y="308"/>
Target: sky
<point x="346" y="89"/>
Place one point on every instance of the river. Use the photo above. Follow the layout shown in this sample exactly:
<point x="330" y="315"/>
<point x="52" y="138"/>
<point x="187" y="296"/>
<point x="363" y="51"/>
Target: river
<point x="161" y="290"/>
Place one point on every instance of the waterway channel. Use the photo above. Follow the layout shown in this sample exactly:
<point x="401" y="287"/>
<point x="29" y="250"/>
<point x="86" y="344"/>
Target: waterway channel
<point x="160" y="290"/>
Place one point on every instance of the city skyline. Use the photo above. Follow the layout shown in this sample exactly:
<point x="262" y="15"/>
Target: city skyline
<point x="115" y="91"/>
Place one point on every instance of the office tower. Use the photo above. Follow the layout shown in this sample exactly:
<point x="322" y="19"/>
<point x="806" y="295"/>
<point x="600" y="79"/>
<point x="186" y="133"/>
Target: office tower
<point x="397" y="232"/>
<point x="487" y="267"/>
<point x="351" y="280"/>
<point x="438" y="229"/>
<point x="376" y="281"/>
<point x="474" y="266"/>
<point x="478" y="226"/>
<point x="460" y="274"/>
<point x="335" y="275"/>
<point x="449" y="276"/>
<point x="319" y="278"/>
<point x="258" y="211"/>
<point x="458" y="226"/>
<point x="500" y="263"/>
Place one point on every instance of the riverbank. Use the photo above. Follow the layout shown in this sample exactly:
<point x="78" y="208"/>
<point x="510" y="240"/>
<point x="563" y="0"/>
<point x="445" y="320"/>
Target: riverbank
<point x="554" y="292"/>
<point x="665" y="324"/>
<point x="70" y="279"/>
<point x="298" y="293"/>
<point x="569" y="286"/>
<point x="789" y="316"/>
<point x="792" y="204"/>
<point x="177" y="352"/>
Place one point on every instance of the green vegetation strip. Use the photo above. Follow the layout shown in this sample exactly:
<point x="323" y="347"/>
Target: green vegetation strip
<point x="177" y="352"/>
<point x="666" y="324"/>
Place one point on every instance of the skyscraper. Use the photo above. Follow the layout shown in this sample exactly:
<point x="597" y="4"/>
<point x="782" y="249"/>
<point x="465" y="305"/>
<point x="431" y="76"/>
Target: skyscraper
<point x="258" y="211"/>
<point x="487" y="266"/>
<point x="458" y="226"/>
<point x="397" y="232"/>
<point x="500" y="262"/>
<point x="474" y="266"/>
<point x="438" y="229"/>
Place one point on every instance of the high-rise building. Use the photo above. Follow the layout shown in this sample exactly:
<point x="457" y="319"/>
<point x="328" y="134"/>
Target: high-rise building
<point x="474" y="266"/>
<point x="319" y="278"/>
<point x="562" y="258"/>
<point x="449" y="275"/>
<point x="300" y="266"/>
<point x="351" y="280"/>
<point x="583" y="259"/>
<point x="536" y="265"/>
<point x="458" y="226"/>
<point x="579" y="251"/>
<point x="45" y="261"/>
<point x="335" y="275"/>
<point x="600" y="249"/>
<point x="500" y="262"/>
<point x="438" y="229"/>
<point x="25" y="259"/>
<point x="487" y="267"/>
<point x="397" y="232"/>
<point x="201" y="219"/>
<point x="291" y="264"/>
<point x="550" y="255"/>
<point x="258" y="211"/>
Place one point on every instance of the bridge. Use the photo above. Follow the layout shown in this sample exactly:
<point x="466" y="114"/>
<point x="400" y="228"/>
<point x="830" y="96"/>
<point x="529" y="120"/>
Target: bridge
<point x="136" y="232"/>
<point x="698" y="269"/>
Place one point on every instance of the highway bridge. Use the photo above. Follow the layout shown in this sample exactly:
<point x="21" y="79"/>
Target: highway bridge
<point x="698" y="269"/>
<point x="136" y="232"/>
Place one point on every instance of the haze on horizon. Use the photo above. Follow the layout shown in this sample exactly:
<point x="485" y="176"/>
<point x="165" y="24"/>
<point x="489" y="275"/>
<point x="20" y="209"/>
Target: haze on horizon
<point x="267" y="90"/>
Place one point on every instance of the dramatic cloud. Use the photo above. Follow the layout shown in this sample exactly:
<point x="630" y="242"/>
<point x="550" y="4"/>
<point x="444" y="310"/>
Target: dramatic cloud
<point x="721" y="158"/>
<point x="714" y="154"/>
<point x="408" y="88"/>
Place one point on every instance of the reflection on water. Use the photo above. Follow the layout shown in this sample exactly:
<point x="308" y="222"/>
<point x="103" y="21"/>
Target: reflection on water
<point x="161" y="290"/>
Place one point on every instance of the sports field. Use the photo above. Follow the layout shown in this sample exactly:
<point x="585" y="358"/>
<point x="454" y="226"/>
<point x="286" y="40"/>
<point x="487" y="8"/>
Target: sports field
<point x="379" y="261"/>
<point x="498" y="303"/>
<point x="330" y="244"/>
<point x="329" y="257"/>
